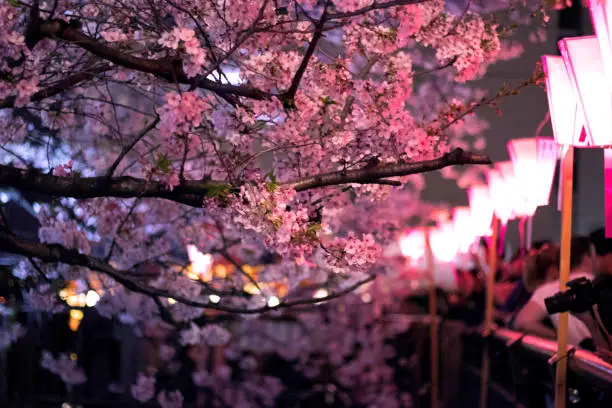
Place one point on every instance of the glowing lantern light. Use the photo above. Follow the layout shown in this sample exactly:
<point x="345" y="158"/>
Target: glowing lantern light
<point x="320" y="294"/>
<point x="534" y="161"/>
<point x="601" y="12"/>
<point x="586" y="71"/>
<point x="200" y="264"/>
<point x="463" y="229"/>
<point x="565" y="111"/>
<point x="273" y="301"/>
<point x="481" y="209"/>
<point x="412" y="245"/>
<point x="585" y="63"/>
<point x="92" y="298"/>
<point x="74" y="320"/>
<point x="443" y="243"/>
<point x="501" y="195"/>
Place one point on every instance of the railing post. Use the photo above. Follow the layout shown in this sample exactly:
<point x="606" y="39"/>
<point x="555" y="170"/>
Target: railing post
<point x="567" y="174"/>
<point x="433" y="327"/>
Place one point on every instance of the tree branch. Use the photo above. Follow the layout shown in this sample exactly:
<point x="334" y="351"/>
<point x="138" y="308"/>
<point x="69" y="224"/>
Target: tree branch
<point x="162" y="68"/>
<point x="312" y="46"/>
<point x="58" y="87"/>
<point x="57" y="253"/>
<point x="192" y="192"/>
<point x="130" y="146"/>
<point x="374" y="174"/>
<point x="374" y="6"/>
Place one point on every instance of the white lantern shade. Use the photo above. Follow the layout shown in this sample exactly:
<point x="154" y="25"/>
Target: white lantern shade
<point x="463" y="226"/>
<point x="584" y="64"/>
<point x="601" y="12"/>
<point x="565" y="112"/>
<point x="501" y="197"/>
<point x="534" y="162"/>
<point x="481" y="209"/>
<point x="443" y="242"/>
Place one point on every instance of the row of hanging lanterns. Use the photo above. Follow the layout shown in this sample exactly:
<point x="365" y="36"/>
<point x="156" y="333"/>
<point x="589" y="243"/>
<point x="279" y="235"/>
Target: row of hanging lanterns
<point x="515" y="189"/>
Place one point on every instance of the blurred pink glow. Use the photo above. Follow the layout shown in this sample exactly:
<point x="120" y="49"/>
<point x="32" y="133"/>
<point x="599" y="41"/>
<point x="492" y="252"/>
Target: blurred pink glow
<point x="464" y="233"/>
<point x="585" y="66"/>
<point x="601" y="12"/>
<point x="481" y="209"/>
<point x="565" y="114"/>
<point x="502" y="188"/>
<point x="443" y="242"/>
<point x="412" y="244"/>
<point x="608" y="191"/>
<point x="515" y="192"/>
<point x="534" y="162"/>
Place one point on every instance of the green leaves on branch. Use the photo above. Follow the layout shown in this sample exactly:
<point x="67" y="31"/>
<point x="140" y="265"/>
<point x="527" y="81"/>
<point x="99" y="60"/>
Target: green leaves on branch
<point x="273" y="183"/>
<point x="214" y="190"/>
<point x="163" y="163"/>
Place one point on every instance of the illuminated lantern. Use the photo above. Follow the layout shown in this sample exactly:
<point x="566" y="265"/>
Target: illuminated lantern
<point x="601" y="11"/>
<point x="586" y="67"/>
<point x="463" y="229"/>
<point x="481" y="209"/>
<point x="586" y="72"/>
<point x="412" y="245"/>
<point x="501" y="197"/>
<point x="534" y="161"/>
<point x="565" y="112"/>
<point x="443" y="242"/>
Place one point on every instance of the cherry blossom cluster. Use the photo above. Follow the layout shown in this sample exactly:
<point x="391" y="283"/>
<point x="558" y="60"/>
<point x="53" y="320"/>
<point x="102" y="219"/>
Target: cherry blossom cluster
<point x="65" y="367"/>
<point x="352" y="253"/>
<point x="268" y="212"/>
<point x="213" y="335"/>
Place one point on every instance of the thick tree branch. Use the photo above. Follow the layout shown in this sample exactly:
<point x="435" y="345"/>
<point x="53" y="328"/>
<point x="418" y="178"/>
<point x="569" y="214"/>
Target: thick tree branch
<point x="193" y="192"/>
<point x="163" y="67"/>
<point x="190" y="192"/>
<point x="53" y="253"/>
<point x="374" y="174"/>
<point x="374" y="6"/>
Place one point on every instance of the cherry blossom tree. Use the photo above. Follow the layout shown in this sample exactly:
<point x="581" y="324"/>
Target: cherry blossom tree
<point x="283" y="133"/>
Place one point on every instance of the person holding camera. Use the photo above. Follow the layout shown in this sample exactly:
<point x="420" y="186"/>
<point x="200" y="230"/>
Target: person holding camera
<point x="531" y="318"/>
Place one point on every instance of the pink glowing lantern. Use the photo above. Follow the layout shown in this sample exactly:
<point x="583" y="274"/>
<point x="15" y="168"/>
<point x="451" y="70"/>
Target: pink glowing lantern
<point x="601" y="12"/>
<point x="534" y="162"/>
<point x="501" y="197"/>
<point x="515" y="191"/>
<point x="412" y="245"/>
<point x="463" y="229"/>
<point x="586" y="71"/>
<point x="481" y="209"/>
<point x="565" y="112"/>
<point x="586" y="67"/>
<point x="443" y="242"/>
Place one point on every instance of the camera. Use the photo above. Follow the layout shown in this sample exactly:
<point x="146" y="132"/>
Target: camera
<point x="580" y="297"/>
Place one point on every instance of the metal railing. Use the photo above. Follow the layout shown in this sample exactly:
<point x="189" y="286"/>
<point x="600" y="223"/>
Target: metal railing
<point x="580" y="361"/>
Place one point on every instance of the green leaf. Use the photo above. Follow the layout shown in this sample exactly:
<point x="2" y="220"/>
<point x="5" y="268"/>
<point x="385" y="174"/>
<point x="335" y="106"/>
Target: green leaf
<point x="273" y="184"/>
<point x="327" y="101"/>
<point x="217" y="190"/>
<point x="163" y="162"/>
<point x="13" y="3"/>
<point x="272" y="177"/>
